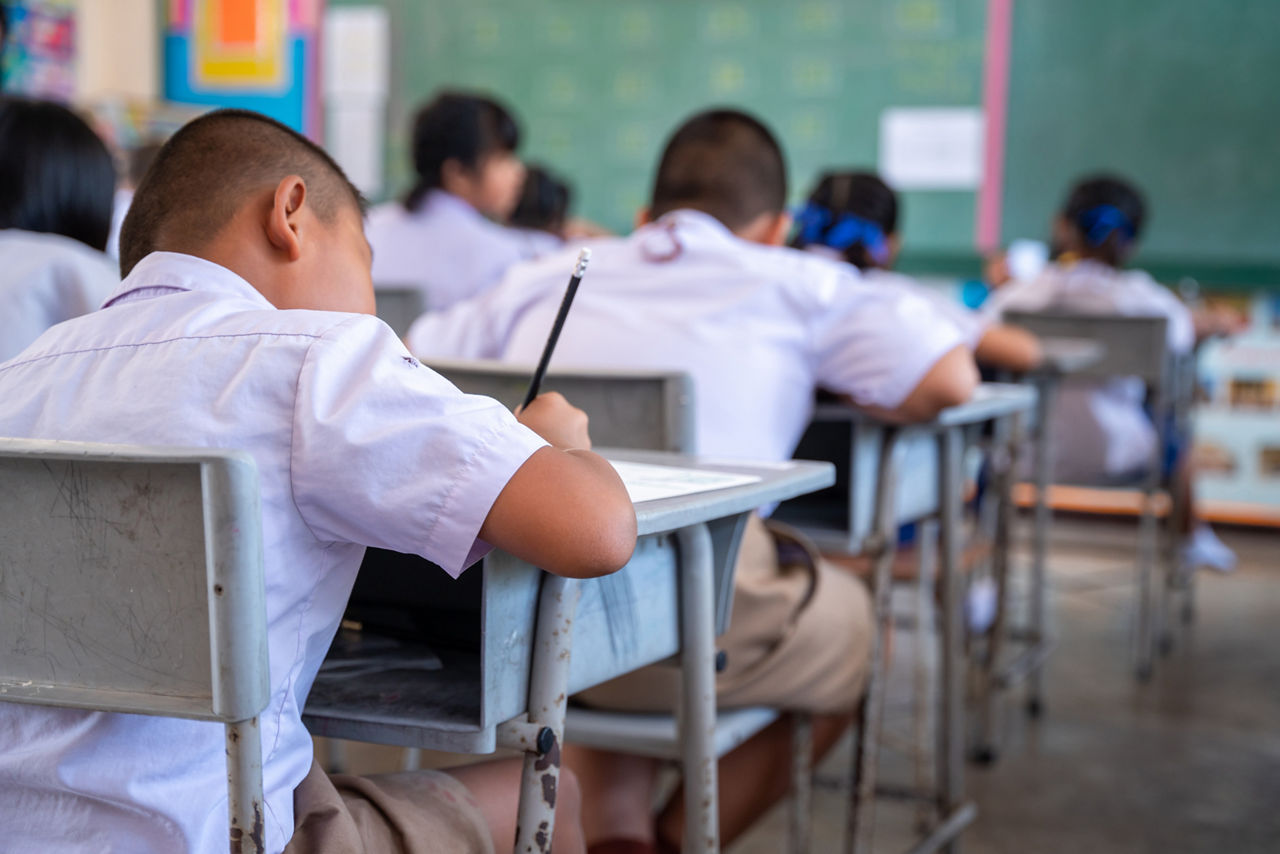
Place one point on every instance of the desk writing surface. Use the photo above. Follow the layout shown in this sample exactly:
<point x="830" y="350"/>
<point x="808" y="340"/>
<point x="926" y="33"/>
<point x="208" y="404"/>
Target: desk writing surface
<point x="841" y="521"/>
<point x="624" y="621"/>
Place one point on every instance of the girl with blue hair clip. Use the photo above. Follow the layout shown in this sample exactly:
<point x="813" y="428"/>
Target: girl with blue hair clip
<point x="853" y="217"/>
<point x="1105" y="433"/>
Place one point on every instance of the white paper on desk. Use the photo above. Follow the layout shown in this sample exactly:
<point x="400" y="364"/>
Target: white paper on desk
<point x="931" y="148"/>
<point x="646" y="482"/>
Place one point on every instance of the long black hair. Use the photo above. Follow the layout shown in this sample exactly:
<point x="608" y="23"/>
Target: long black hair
<point x="1107" y="214"/>
<point x="457" y="126"/>
<point x="56" y="175"/>
<point x="854" y="213"/>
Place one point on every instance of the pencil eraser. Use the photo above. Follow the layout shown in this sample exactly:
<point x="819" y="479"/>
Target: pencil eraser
<point x="581" y="266"/>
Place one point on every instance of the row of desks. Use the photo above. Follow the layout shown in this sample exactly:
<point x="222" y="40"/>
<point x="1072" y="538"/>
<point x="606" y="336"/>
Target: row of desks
<point x="538" y="638"/>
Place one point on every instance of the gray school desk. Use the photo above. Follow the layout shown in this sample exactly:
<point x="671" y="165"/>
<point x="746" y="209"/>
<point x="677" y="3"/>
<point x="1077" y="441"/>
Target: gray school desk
<point x="895" y="474"/>
<point x="672" y="598"/>
<point x="1062" y="357"/>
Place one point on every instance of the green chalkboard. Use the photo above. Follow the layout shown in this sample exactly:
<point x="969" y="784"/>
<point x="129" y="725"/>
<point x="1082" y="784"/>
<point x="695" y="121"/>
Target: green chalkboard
<point x="598" y="84"/>
<point x="1181" y="95"/>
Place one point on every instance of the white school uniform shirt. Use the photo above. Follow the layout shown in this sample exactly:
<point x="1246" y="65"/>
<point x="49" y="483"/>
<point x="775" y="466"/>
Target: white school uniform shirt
<point x="1103" y="431"/>
<point x="46" y="279"/>
<point x="972" y="324"/>
<point x="356" y="443"/>
<point x="446" y="249"/>
<point x="757" y="327"/>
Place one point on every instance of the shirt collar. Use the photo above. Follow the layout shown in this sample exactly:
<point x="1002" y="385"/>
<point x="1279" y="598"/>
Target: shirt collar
<point x="441" y="200"/>
<point x="665" y="238"/>
<point x="161" y="273"/>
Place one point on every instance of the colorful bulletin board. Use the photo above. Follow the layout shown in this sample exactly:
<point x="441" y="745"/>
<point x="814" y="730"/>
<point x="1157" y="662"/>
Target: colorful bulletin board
<point x="39" y="59"/>
<point x="253" y="54"/>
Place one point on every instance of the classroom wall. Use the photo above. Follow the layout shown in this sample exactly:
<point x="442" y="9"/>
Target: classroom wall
<point x="1178" y="93"/>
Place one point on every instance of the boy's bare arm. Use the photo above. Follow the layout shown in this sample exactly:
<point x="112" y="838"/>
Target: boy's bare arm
<point x="565" y="510"/>
<point x="950" y="382"/>
<point x="1009" y="347"/>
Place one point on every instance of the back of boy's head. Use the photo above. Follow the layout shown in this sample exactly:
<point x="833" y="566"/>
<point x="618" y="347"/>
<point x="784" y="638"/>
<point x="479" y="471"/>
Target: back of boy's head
<point x="853" y="213"/>
<point x="544" y="203"/>
<point x="56" y="175"/>
<point x="1106" y="213"/>
<point x="725" y="163"/>
<point x="460" y="126"/>
<point x="209" y="169"/>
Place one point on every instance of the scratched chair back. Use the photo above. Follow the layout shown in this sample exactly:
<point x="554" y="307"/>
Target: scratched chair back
<point x="1131" y="346"/>
<point x="398" y="306"/>
<point x="131" y="581"/>
<point x="637" y="410"/>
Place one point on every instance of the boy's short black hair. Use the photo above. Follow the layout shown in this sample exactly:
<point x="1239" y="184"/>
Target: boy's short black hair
<point x="863" y="195"/>
<point x="722" y="162"/>
<point x="1108" y="214"/>
<point x="461" y="126"/>
<point x="544" y="203"/>
<point x="56" y="175"/>
<point x="202" y="176"/>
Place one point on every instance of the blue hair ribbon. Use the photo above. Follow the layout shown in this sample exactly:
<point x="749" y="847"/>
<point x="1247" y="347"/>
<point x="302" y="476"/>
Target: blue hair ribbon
<point x="818" y="226"/>
<point x="1100" y="222"/>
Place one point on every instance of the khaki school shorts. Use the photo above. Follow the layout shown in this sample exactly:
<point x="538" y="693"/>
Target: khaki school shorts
<point x="415" y="812"/>
<point x="799" y="638"/>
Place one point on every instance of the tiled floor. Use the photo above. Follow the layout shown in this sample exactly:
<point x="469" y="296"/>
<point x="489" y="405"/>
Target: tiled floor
<point x="1187" y="763"/>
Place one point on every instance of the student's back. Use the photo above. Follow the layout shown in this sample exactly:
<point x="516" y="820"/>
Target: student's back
<point x="1104" y="430"/>
<point x="758" y="327"/>
<point x="56" y="185"/>
<point x="444" y="237"/>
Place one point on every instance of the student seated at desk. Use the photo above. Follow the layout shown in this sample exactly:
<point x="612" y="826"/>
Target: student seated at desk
<point x="1105" y="433"/>
<point x="853" y="217"/>
<point x="56" y="185"/>
<point x="244" y="321"/>
<point x="705" y="285"/>
<point x="447" y="236"/>
<point x="542" y="215"/>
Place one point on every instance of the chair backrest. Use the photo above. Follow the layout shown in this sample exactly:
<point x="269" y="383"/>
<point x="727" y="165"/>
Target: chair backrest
<point x="1132" y="346"/>
<point x="642" y="410"/>
<point x="131" y="580"/>
<point x="399" y="307"/>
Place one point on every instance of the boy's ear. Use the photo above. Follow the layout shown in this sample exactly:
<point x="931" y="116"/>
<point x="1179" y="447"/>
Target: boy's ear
<point x="283" y="221"/>
<point x="643" y="217"/>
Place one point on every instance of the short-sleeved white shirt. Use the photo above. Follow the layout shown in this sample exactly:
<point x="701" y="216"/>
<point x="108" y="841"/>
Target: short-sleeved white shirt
<point x="757" y="327"/>
<point x="46" y="279"/>
<point x="447" y="249"/>
<point x="1103" y="430"/>
<point x="356" y="444"/>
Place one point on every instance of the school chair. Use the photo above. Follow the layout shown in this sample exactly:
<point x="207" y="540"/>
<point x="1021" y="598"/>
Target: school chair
<point x="106" y="539"/>
<point x="398" y="306"/>
<point x="639" y="410"/>
<point x="1137" y="347"/>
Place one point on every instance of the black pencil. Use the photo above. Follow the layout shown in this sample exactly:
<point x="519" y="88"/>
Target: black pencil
<point x="578" y="269"/>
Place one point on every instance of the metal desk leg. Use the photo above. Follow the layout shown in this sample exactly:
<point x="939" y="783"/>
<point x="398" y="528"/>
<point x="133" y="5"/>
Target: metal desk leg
<point x="951" y="721"/>
<point x="1040" y="540"/>
<point x="801" y="815"/>
<point x="548" y="694"/>
<point x="698" y="697"/>
<point x="244" y="786"/>
<point x="1008" y="435"/>
<point x="880" y="547"/>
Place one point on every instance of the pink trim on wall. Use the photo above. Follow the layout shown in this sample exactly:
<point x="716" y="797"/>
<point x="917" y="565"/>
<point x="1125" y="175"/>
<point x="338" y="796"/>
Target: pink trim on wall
<point x="995" y="103"/>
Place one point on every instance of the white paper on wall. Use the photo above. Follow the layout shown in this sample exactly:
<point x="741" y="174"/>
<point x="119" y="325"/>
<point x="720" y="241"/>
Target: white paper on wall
<point x="354" y="137"/>
<point x="931" y="148"/>
<point x="357" y="52"/>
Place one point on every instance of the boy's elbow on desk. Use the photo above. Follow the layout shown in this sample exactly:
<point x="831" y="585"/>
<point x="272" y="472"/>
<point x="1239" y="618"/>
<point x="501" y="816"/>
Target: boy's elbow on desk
<point x="950" y="382"/>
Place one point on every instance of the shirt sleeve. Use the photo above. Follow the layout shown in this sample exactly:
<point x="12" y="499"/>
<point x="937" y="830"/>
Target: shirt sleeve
<point x="877" y="344"/>
<point x="388" y="453"/>
<point x="1150" y="297"/>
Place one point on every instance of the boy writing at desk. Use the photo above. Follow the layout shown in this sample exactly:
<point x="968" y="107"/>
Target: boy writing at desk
<point x="244" y="322"/>
<point x="705" y="286"/>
